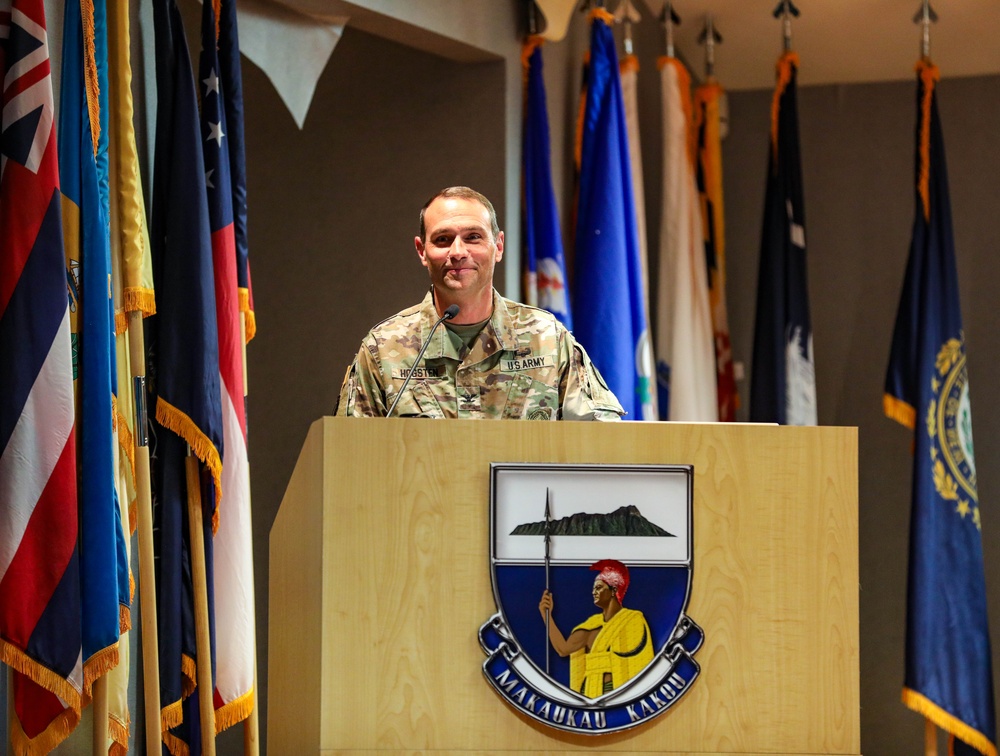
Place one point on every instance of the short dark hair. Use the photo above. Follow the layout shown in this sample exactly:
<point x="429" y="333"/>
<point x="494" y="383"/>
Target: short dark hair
<point x="461" y="192"/>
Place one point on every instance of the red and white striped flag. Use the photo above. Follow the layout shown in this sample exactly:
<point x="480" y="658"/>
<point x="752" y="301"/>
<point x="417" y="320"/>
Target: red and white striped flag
<point x="40" y="633"/>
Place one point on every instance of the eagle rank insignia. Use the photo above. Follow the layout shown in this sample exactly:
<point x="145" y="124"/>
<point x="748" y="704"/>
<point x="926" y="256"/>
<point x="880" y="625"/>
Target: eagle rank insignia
<point x="591" y="568"/>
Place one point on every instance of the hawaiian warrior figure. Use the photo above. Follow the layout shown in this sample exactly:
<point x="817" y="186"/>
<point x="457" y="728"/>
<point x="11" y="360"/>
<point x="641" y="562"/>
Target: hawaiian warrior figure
<point x="609" y="648"/>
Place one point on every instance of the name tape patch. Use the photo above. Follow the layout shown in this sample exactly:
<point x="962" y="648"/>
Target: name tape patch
<point x="419" y="373"/>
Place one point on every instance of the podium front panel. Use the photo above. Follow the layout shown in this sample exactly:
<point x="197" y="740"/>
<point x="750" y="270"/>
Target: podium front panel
<point x="380" y="581"/>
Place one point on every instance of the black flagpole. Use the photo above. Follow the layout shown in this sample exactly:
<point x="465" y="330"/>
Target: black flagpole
<point x="548" y="543"/>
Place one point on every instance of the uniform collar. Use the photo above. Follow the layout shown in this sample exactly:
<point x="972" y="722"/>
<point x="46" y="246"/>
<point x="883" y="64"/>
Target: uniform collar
<point x="500" y="329"/>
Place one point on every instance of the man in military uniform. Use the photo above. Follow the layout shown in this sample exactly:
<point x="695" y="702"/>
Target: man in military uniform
<point x="497" y="359"/>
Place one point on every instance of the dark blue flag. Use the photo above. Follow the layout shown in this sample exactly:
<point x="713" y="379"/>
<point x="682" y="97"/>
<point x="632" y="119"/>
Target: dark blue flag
<point x="783" y="383"/>
<point x="544" y="264"/>
<point x="609" y="309"/>
<point x="949" y="677"/>
<point x="184" y="357"/>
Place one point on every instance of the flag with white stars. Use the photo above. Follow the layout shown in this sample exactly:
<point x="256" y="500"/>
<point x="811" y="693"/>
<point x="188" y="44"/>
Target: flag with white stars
<point x="234" y="596"/>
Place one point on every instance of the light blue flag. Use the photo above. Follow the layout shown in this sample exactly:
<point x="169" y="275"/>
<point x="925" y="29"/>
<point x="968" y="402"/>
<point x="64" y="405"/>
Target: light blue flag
<point x="103" y="575"/>
<point x="608" y="308"/>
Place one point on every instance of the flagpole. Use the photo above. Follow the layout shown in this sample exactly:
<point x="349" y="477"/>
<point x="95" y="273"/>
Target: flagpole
<point x="144" y="525"/>
<point x="548" y="545"/>
<point x="930" y="738"/>
<point x="199" y="579"/>
<point x="99" y="709"/>
<point x="251" y="725"/>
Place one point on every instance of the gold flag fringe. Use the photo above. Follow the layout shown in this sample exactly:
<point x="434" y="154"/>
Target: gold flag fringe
<point x="929" y="74"/>
<point x="125" y="440"/>
<point x="119" y="736"/>
<point x="189" y="674"/>
<point x="48" y="739"/>
<point x="90" y="71"/>
<point x="900" y="411"/>
<point x="244" y="295"/>
<point x="531" y="43"/>
<point x="125" y="614"/>
<point x="19" y="661"/>
<point x="171" y="716"/>
<point x="603" y="14"/>
<point x="234" y="712"/>
<point x="98" y="665"/>
<point x="628" y="64"/>
<point x="136" y="298"/>
<point x="174" y="419"/>
<point x="784" y="67"/>
<point x="948" y="722"/>
<point x="121" y="322"/>
<point x="175" y="745"/>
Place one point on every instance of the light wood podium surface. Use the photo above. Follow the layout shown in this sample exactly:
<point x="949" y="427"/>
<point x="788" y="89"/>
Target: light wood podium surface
<point x="380" y="581"/>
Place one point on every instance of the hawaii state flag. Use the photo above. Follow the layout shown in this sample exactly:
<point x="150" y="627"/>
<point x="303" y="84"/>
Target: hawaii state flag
<point x="545" y="267"/>
<point x="949" y="676"/>
<point x="40" y="620"/>
<point x="609" y="313"/>
<point x="783" y="383"/>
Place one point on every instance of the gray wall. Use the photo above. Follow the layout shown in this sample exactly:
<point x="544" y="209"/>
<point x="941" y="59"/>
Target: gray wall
<point x="333" y="213"/>
<point x="857" y="154"/>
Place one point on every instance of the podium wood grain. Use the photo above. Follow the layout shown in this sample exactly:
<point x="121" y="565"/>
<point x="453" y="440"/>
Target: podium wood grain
<point x="380" y="581"/>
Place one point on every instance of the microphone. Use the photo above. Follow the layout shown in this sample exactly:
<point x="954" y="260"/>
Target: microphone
<point x="449" y="313"/>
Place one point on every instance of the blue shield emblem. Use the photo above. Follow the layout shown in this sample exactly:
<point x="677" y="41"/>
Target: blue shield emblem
<point x="591" y="568"/>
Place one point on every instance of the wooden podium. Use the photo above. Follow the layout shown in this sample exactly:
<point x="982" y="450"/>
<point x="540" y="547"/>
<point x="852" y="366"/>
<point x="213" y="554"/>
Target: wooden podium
<point x="380" y="580"/>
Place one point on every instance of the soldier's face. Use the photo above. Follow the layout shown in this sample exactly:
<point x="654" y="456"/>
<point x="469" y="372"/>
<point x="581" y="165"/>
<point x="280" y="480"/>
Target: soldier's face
<point x="459" y="251"/>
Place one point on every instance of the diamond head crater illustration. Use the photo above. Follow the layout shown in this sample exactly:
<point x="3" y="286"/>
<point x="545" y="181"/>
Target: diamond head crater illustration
<point x="624" y="521"/>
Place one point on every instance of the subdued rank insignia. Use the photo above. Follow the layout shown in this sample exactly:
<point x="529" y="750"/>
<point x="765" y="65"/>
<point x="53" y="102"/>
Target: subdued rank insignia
<point x="591" y="568"/>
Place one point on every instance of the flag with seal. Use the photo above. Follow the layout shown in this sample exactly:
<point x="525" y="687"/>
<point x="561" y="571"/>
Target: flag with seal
<point x="592" y="570"/>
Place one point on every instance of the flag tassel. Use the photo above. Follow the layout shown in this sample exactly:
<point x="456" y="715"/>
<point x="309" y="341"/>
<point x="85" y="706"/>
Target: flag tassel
<point x="206" y="702"/>
<point x="947" y="722"/>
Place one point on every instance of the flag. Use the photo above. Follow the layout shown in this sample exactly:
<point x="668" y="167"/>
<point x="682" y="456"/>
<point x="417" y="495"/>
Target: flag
<point x="104" y="576"/>
<point x="685" y="352"/>
<point x="609" y="317"/>
<point x="40" y="633"/>
<point x="184" y="366"/>
<point x="949" y="676"/>
<point x="233" y="548"/>
<point x="783" y="384"/>
<point x="231" y="75"/>
<point x="708" y="173"/>
<point x="629" y="72"/>
<point x="545" y="267"/>
<point x="132" y="290"/>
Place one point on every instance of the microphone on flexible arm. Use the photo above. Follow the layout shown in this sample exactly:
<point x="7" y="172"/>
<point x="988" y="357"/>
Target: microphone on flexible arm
<point x="449" y="313"/>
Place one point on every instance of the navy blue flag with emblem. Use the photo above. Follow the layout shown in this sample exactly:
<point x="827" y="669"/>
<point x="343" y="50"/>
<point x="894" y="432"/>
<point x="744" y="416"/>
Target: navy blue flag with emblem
<point x="545" y="268"/>
<point x="783" y="383"/>
<point x="949" y="677"/>
<point x="609" y="307"/>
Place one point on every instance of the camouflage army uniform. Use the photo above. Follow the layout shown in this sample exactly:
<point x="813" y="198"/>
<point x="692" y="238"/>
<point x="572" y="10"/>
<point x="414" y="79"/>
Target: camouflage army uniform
<point x="523" y="364"/>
